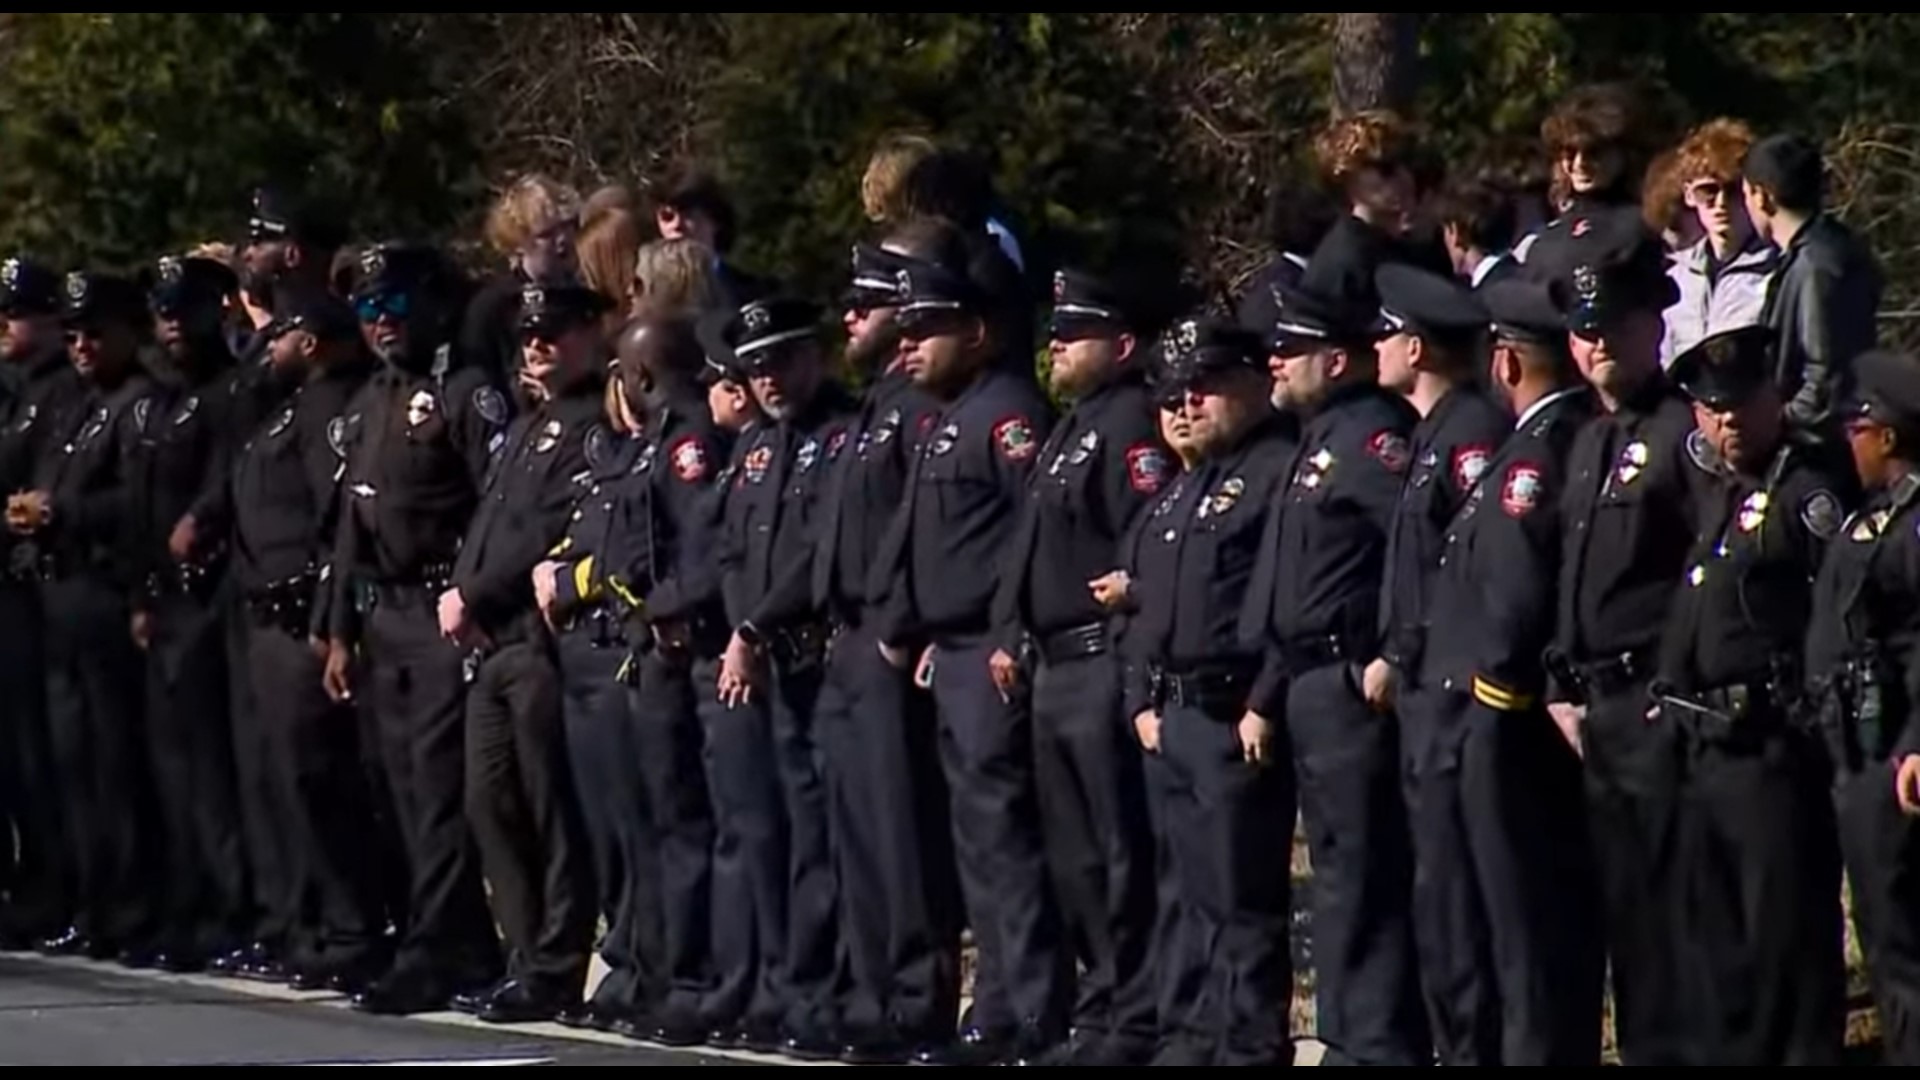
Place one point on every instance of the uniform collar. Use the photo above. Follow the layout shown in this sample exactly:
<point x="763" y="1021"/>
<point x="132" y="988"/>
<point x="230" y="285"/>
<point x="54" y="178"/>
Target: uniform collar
<point x="1535" y="410"/>
<point x="1487" y="266"/>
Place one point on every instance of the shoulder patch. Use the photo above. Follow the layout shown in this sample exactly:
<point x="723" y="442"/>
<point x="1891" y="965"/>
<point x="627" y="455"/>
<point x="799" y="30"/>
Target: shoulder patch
<point x="1821" y="514"/>
<point x="1392" y="450"/>
<point x="1521" y="494"/>
<point x="1148" y="469"/>
<point x="491" y="405"/>
<point x="689" y="458"/>
<point x="1013" y="437"/>
<point x="1470" y="463"/>
<point x="1702" y="453"/>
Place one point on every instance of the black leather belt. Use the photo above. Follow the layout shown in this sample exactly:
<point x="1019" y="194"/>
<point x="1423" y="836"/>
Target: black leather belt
<point x="1616" y="675"/>
<point x="198" y="581"/>
<point x="285" y="605"/>
<point x="1079" y="643"/>
<point x="599" y="625"/>
<point x="801" y="646"/>
<point x="1221" y="692"/>
<point x="1304" y="655"/>
<point x="426" y="587"/>
<point x="1726" y="714"/>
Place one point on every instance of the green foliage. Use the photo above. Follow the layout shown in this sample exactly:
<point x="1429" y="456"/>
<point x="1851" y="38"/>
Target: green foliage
<point x="126" y="134"/>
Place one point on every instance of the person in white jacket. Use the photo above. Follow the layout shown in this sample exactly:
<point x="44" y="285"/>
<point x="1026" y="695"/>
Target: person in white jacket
<point x="1723" y="279"/>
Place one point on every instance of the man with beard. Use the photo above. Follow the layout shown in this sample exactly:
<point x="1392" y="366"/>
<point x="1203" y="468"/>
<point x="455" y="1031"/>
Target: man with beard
<point x="1103" y="463"/>
<point x="36" y="874"/>
<point x="958" y="512"/>
<point x="286" y="487"/>
<point x="416" y="464"/>
<point x="520" y="799"/>
<point x="186" y="444"/>
<point x="79" y="517"/>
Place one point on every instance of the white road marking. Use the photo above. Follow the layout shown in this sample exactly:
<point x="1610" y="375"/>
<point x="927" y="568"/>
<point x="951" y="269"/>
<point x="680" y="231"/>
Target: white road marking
<point x="496" y="1061"/>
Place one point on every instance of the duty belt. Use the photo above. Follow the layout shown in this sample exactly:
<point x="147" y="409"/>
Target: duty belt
<point x="1079" y="643"/>
<point x="1220" y="692"/>
<point x="802" y="647"/>
<point x="285" y="605"/>
<point x="1725" y="714"/>
<point x="1302" y="656"/>
<point x="198" y="580"/>
<point x="427" y="586"/>
<point x="599" y="625"/>
<point x="1614" y="675"/>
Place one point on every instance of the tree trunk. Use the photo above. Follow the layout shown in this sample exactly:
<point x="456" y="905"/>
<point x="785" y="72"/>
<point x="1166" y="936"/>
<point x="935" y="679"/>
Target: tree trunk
<point x="1376" y="58"/>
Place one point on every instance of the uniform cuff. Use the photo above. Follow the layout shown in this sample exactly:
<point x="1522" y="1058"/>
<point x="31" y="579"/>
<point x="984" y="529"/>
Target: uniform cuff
<point x="1502" y="698"/>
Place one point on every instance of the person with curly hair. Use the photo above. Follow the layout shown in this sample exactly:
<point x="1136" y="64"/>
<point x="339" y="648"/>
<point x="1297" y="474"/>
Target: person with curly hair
<point x="1601" y="140"/>
<point x="535" y="227"/>
<point x="1371" y="159"/>
<point x="1723" y="277"/>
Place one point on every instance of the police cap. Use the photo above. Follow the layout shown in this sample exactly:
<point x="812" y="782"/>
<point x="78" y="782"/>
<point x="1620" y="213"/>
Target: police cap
<point x="1310" y="321"/>
<point x="93" y="299"/>
<point x="396" y="268"/>
<point x="930" y="291"/>
<point x="876" y="279"/>
<point x="322" y="315"/>
<point x="552" y="310"/>
<point x="1521" y="309"/>
<point x="282" y="215"/>
<point x="189" y="283"/>
<point x="722" y="364"/>
<point x="28" y="288"/>
<point x="759" y="332"/>
<point x="1085" y="306"/>
<point x="1421" y="302"/>
<point x="1727" y="369"/>
<point x="1886" y="390"/>
<point x="1608" y="265"/>
<point x="1196" y="348"/>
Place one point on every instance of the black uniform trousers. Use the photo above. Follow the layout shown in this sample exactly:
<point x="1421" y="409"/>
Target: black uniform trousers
<point x="36" y="872"/>
<point x="1633" y="803"/>
<point x="1177" y="959"/>
<point x="190" y="750"/>
<point x="418" y="695"/>
<point x="526" y="820"/>
<point x="1099" y="846"/>
<point x="95" y="689"/>
<point x="323" y="803"/>
<point x="1505" y="912"/>
<point x="750" y="860"/>
<point x="1882" y="847"/>
<point x="1228" y="823"/>
<point x="605" y="751"/>
<point x="1347" y="759"/>
<point x="986" y="744"/>
<point x="1764" y="935"/>
<point x="813" y="972"/>
<point x="892" y="845"/>
<point x="673" y="771"/>
<point x="273" y="888"/>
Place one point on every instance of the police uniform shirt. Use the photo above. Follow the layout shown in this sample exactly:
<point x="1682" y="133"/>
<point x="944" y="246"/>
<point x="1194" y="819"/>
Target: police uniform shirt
<point x="1494" y="600"/>
<point x="1347" y="260"/>
<point x="1320" y="581"/>
<point x="286" y="481"/>
<point x="1101" y="465"/>
<point x="962" y="504"/>
<point x="89" y="473"/>
<point x="869" y="485"/>
<point x="536" y="480"/>
<point x="34" y="416"/>
<point x="1748" y="593"/>
<point x="1868" y="595"/>
<point x="619" y="468"/>
<point x="1192" y="556"/>
<point x="1630" y="519"/>
<point x="1452" y="449"/>
<point x="417" y="458"/>
<point x="187" y="443"/>
<point x="779" y="510"/>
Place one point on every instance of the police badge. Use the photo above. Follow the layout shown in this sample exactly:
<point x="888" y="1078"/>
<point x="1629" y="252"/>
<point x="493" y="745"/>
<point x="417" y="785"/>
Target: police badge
<point x="421" y="409"/>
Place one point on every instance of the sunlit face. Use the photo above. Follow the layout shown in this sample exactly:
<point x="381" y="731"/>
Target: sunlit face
<point x="787" y="383"/>
<point x="1873" y="446"/>
<point x="1389" y="198"/>
<point x="558" y="358"/>
<point x="1721" y="207"/>
<point x="1084" y="364"/>
<point x="940" y="352"/>
<point x="1303" y="379"/>
<point x="550" y="256"/>
<point x="25" y="337"/>
<point x="1590" y="170"/>
<point x="1398" y="363"/>
<point x="731" y="404"/>
<point x="102" y="348"/>
<point x="1220" y="407"/>
<point x="1744" y="434"/>
<point x="1623" y="354"/>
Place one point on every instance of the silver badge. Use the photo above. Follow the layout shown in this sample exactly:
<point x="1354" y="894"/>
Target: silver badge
<point x="187" y="411"/>
<point x="809" y="456"/>
<point x="758" y="319"/>
<point x="281" y="424"/>
<point x="420" y="409"/>
<point x="549" y="437"/>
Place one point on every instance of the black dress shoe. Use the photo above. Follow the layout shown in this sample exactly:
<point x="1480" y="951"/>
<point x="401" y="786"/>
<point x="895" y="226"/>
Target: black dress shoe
<point x="730" y="1040"/>
<point x="1033" y="1045"/>
<point x="520" y="1003"/>
<point x="230" y="964"/>
<point x="973" y="1048"/>
<point x="877" y="1049"/>
<point x="810" y="1047"/>
<point x="473" y="1002"/>
<point x="402" y="997"/>
<point x="186" y="962"/>
<point x="764" y="1039"/>
<point x="582" y="1017"/>
<point x="69" y="942"/>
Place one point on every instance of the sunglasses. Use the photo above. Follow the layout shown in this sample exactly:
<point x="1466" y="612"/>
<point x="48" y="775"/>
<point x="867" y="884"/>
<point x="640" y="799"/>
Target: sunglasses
<point x="1708" y="192"/>
<point x="397" y="306"/>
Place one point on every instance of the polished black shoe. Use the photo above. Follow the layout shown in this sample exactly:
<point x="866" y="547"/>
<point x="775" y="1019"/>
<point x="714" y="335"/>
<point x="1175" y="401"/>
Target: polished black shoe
<point x="877" y="1049"/>
<point x="402" y="997"/>
<point x="69" y="942"/>
<point x="230" y="964"/>
<point x="180" y="962"/>
<point x="677" y="1033"/>
<point x="519" y="1003"/>
<point x="729" y="1040"/>
<point x="266" y="970"/>
<point x="973" y="1048"/>
<point x="1033" y="1045"/>
<point x="473" y="1002"/>
<point x="810" y="1047"/>
<point x="582" y="1017"/>
<point x="639" y="1027"/>
<point x="764" y="1039"/>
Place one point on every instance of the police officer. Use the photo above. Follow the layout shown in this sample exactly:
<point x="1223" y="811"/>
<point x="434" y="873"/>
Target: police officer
<point x="77" y="519"/>
<point x="776" y="521"/>
<point x="184" y="454"/>
<point x="285" y="504"/>
<point x="1189" y="679"/>
<point x="36" y="870"/>
<point x="1507" y="927"/>
<point x="291" y="243"/>
<point x="1101" y="464"/>
<point x="1630" y="510"/>
<point x="1315" y="608"/>
<point x="520" y="798"/>
<point x="888" y="811"/>
<point x="1758" y="841"/>
<point x="598" y="603"/>
<point x="419" y="439"/>
<point x="1862" y="671"/>
<point x="959" y="511"/>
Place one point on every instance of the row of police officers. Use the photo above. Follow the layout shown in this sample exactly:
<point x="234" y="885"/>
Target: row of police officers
<point x="766" y="677"/>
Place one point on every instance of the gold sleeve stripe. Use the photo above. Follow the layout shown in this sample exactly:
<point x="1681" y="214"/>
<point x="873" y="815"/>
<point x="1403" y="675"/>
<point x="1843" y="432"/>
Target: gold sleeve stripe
<point x="1499" y="698"/>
